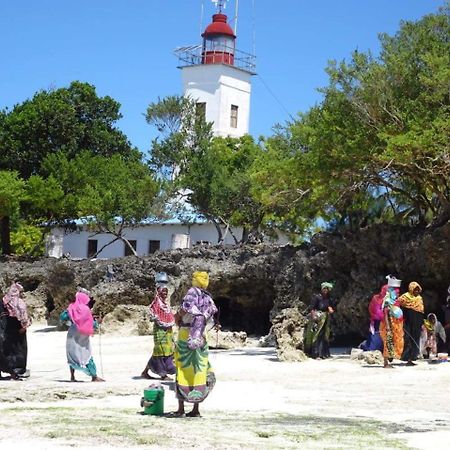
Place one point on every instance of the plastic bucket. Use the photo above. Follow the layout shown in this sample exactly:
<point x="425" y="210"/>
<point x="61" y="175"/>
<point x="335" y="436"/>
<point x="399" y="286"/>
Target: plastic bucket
<point x="153" y="402"/>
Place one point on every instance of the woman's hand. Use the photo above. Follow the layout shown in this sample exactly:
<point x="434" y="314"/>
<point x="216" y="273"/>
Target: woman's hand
<point x="330" y="310"/>
<point x="23" y="330"/>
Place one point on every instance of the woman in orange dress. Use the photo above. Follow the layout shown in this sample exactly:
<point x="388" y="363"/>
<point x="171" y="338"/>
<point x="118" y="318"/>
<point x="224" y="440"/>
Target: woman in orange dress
<point x="391" y="327"/>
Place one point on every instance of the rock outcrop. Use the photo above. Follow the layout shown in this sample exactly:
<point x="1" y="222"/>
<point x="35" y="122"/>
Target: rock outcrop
<point x="260" y="288"/>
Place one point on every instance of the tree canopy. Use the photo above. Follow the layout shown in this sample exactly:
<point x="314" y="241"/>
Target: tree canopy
<point x="71" y="162"/>
<point x="376" y="147"/>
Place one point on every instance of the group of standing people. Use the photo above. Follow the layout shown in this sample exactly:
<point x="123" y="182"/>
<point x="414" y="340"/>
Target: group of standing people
<point x="397" y="324"/>
<point x="398" y="327"/>
<point x="188" y="357"/>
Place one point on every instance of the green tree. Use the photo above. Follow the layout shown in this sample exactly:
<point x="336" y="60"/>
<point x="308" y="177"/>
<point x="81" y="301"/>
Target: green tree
<point x="376" y="148"/>
<point x="12" y="192"/>
<point x="209" y="174"/>
<point x="42" y="136"/>
<point x="67" y="120"/>
<point x="107" y="194"/>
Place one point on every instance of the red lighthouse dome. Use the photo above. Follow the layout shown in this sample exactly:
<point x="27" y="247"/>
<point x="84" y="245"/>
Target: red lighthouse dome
<point x="218" y="42"/>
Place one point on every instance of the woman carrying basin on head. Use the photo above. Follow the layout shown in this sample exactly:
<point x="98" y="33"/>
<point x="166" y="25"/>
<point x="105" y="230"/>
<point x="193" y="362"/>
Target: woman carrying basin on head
<point x="161" y="361"/>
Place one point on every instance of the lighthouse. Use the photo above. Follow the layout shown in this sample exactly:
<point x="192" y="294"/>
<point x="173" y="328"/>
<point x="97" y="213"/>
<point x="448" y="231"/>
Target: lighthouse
<point x="217" y="77"/>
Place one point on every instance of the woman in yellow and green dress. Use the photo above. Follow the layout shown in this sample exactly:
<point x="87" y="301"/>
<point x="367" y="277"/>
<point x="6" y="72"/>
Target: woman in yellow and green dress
<point x="194" y="376"/>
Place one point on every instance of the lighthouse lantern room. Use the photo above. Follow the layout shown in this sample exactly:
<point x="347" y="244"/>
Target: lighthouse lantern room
<point x="218" y="77"/>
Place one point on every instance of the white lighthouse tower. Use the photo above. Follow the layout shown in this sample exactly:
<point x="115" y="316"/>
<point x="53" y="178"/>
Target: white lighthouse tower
<point x="218" y="77"/>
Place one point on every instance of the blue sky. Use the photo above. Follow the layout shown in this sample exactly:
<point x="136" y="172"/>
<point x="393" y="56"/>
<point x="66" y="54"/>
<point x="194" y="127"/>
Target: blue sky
<point x="125" y="48"/>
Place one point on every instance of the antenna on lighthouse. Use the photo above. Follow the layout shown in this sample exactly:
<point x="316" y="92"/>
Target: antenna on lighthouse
<point x="220" y="4"/>
<point x="236" y="8"/>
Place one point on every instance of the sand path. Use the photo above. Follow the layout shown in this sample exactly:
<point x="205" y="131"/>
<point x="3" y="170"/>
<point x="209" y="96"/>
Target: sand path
<point x="258" y="402"/>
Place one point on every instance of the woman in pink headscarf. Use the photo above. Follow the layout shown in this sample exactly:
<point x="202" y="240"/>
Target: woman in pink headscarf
<point x="14" y="322"/>
<point x="374" y="341"/>
<point x="78" y="345"/>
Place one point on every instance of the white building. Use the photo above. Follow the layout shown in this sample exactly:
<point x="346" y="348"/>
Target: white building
<point x="145" y="239"/>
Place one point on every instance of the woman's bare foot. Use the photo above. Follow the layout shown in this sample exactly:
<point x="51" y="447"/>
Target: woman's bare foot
<point x="97" y="379"/>
<point x="195" y="411"/>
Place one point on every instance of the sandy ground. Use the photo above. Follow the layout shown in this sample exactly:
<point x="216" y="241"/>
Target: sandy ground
<point x="257" y="403"/>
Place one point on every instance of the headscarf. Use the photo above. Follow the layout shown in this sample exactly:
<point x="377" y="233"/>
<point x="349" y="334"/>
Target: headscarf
<point x="160" y="311"/>
<point x="16" y="306"/>
<point x="411" y="301"/>
<point x="327" y="285"/>
<point x="200" y="280"/>
<point x="429" y="325"/>
<point x="80" y="314"/>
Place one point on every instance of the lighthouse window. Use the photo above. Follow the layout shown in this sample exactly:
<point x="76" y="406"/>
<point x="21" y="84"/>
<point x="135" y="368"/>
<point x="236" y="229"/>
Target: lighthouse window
<point x="200" y="111"/>
<point x="234" y="116"/>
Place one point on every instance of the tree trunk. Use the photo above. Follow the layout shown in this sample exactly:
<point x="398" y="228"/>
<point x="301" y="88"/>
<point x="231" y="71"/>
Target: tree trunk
<point x="245" y="233"/>
<point x="219" y="232"/>
<point x="5" y="235"/>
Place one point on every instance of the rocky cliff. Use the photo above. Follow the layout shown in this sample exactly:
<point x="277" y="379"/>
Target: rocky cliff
<point x="258" y="288"/>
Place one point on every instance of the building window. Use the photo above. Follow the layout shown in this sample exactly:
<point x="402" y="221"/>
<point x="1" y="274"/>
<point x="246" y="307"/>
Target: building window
<point x="202" y="243"/>
<point x="128" y="251"/>
<point x="200" y="111"/>
<point x="92" y="247"/>
<point x="234" y="116"/>
<point x="153" y="246"/>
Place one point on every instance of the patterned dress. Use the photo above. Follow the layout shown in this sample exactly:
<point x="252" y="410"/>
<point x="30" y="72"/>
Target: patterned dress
<point x="195" y="378"/>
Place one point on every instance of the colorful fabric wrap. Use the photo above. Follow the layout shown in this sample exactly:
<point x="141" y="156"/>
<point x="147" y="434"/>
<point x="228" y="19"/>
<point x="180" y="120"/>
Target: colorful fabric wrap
<point x="16" y="306"/>
<point x="194" y="375"/>
<point x="199" y="304"/>
<point x="163" y="341"/>
<point x="80" y="314"/>
<point x="318" y="321"/>
<point x="160" y="311"/>
<point x="411" y="301"/>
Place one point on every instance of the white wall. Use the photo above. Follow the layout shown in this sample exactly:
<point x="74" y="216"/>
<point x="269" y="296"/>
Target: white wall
<point x="76" y="243"/>
<point x="220" y="86"/>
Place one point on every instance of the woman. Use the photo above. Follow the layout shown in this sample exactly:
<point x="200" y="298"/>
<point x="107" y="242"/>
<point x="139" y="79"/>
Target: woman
<point x="317" y="333"/>
<point x="161" y="361"/>
<point x="194" y="376"/>
<point x="391" y="327"/>
<point x="13" y="333"/>
<point x="433" y="337"/>
<point x="374" y="341"/>
<point x="78" y="345"/>
<point x="412" y="306"/>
